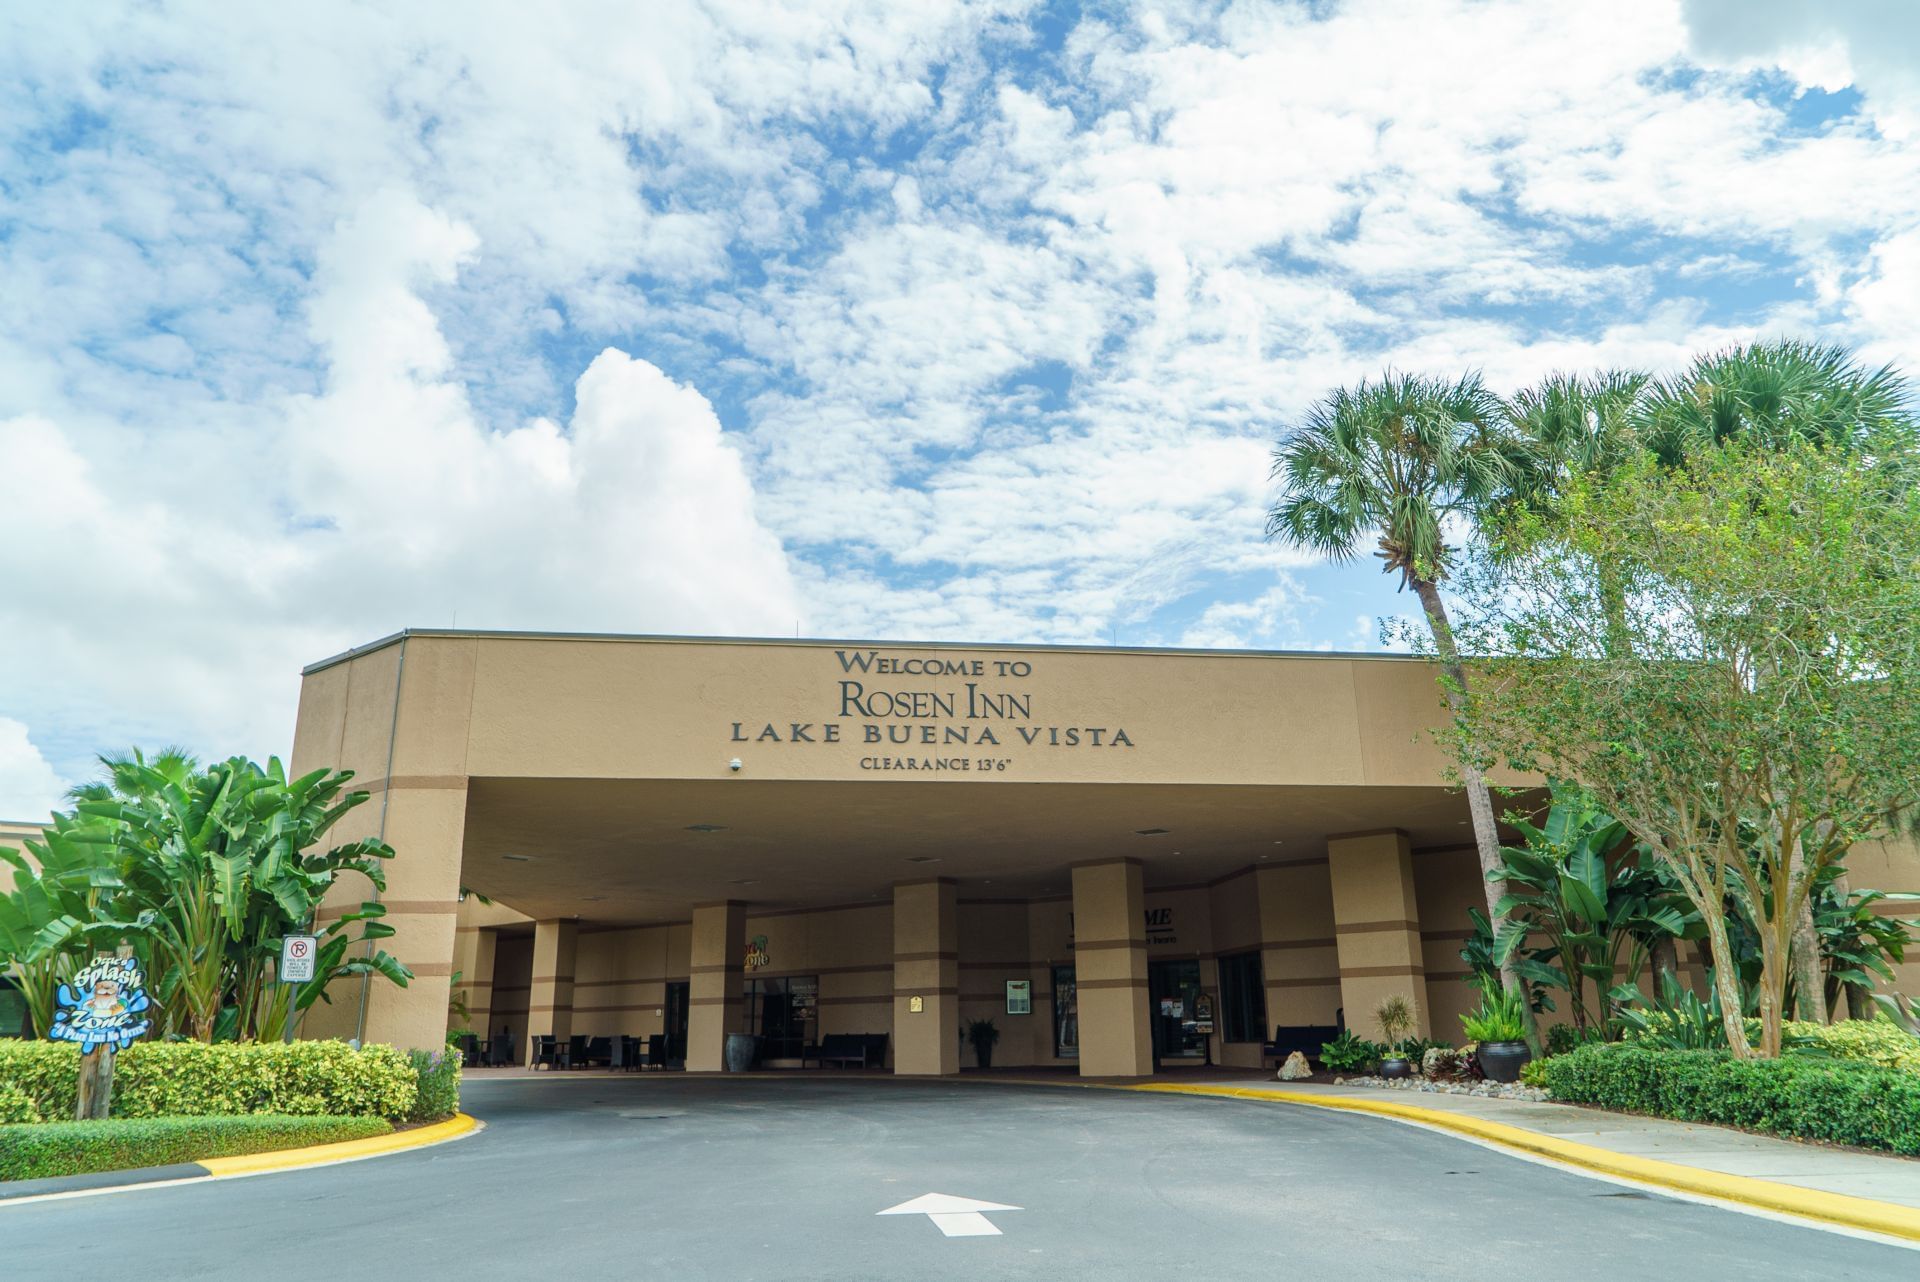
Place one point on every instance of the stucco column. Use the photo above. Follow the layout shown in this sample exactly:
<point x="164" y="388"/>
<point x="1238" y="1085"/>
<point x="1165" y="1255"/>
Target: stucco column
<point x="1110" y="969"/>
<point x="550" y="1002"/>
<point x="1298" y="962"/>
<point x="926" y="965"/>
<point x="424" y="820"/>
<point x="1376" y="926"/>
<point x="714" y="982"/>
<point x="473" y="950"/>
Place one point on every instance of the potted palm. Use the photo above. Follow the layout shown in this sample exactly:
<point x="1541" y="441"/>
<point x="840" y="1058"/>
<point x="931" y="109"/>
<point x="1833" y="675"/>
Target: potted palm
<point x="1499" y="1028"/>
<point x="982" y="1034"/>
<point x="1396" y="1018"/>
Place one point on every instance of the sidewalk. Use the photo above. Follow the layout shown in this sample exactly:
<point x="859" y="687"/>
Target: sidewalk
<point x="1879" y="1177"/>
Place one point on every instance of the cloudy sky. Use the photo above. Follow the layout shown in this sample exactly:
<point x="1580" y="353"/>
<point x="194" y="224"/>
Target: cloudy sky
<point x="847" y="317"/>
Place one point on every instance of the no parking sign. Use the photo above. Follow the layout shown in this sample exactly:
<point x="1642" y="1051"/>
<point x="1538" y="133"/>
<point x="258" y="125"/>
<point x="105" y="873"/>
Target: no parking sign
<point x="296" y="958"/>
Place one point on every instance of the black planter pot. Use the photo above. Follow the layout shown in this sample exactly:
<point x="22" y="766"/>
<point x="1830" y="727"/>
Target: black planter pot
<point x="1502" y="1061"/>
<point x="983" y="1054"/>
<point x="1394" y="1066"/>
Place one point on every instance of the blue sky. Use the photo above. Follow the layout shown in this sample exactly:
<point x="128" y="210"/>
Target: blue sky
<point x="950" y="321"/>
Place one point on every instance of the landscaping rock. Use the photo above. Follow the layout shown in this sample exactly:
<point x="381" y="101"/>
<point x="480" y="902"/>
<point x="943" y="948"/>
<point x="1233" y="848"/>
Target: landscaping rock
<point x="1296" y="1068"/>
<point x="1486" y="1090"/>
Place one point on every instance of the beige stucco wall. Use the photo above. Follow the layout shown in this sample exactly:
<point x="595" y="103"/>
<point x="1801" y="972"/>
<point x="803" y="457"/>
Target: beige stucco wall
<point x="419" y="717"/>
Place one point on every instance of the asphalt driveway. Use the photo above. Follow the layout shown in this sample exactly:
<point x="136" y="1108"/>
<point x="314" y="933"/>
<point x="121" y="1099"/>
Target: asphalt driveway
<point x="674" y="1177"/>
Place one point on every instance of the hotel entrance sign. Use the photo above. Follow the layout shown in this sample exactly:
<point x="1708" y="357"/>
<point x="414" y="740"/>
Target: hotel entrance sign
<point x="940" y="713"/>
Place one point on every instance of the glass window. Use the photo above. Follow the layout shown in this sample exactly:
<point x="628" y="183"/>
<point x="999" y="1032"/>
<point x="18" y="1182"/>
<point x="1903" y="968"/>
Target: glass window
<point x="1066" y="1014"/>
<point x="784" y="1013"/>
<point x="1243" y="999"/>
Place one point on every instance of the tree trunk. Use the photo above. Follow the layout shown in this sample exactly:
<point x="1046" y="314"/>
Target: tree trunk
<point x="1809" y="983"/>
<point x="1486" y="837"/>
<point x="1726" y="983"/>
<point x="1666" y="961"/>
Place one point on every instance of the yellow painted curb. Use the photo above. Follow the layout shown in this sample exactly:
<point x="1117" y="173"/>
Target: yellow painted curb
<point x="1786" y="1199"/>
<point x="288" y="1159"/>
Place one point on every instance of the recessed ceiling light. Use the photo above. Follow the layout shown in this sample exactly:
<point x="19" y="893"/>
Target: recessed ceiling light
<point x="519" y="859"/>
<point x="591" y="899"/>
<point x="1149" y="832"/>
<point x="923" y="859"/>
<point x="743" y="881"/>
<point x="706" y="827"/>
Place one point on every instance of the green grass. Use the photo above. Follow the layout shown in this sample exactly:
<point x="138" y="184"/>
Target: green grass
<point x="37" y="1150"/>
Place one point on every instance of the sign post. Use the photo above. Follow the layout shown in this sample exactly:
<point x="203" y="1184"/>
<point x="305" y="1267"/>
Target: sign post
<point x="297" y="953"/>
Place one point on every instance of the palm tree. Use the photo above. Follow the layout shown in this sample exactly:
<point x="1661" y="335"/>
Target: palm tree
<point x="1399" y="460"/>
<point x="1569" y="428"/>
<point x="1775" y="392"/>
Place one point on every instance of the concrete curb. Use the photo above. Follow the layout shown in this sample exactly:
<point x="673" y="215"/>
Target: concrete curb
<point x="1860" y="1213"/>
<point x="217" y="1168"/>
<point x="288" y="1159"/>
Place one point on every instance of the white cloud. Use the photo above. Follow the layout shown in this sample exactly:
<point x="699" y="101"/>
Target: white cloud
<point x="327" y="321"/>
<point x="1245" y="624"/>
<point x="382" y="501"/>
<point x="29" y="788"/>
<point x="1871" y="45"/>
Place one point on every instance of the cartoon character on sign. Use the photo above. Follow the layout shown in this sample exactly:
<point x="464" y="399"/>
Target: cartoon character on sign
<point x="102" y="1006"/>
<point x="757" y="955"/>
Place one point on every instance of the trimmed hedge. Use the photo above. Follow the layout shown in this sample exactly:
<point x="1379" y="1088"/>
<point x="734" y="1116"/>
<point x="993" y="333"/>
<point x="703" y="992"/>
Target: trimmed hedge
<point x="189" y="1079"/>
<point x="1853" y="1102"/>
<point x="81" y="1148"/>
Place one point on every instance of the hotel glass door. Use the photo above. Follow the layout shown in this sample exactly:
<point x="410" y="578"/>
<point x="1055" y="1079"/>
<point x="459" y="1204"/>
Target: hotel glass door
<point x="676" y="1024"/>
<point x="1172" y="987"/>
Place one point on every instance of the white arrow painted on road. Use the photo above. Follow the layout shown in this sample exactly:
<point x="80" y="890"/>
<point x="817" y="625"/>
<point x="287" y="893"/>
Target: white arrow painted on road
<point x="953" y="1216"/>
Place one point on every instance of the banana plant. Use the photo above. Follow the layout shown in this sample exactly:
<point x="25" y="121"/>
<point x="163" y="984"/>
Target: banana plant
<point x="1859" y="948"/>
<point x="225" y="861"/>
<point x="64" y="906"/>
<point x="1577" y="883"/>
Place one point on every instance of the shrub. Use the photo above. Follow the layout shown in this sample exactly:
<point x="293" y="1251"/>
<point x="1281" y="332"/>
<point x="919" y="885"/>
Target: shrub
<point x="190" y="1079"/>
<point x="1806" y="1097"/>
<point x="16" y="1105"/>
<point x="1443" y="1064"/>
<point x="1349" y="1054"/>
<point x="1534" y="1073"/>
<point x="77" y="1148"/>
<point x="438" y="1074"/>
<point x="1877" y="1041"/>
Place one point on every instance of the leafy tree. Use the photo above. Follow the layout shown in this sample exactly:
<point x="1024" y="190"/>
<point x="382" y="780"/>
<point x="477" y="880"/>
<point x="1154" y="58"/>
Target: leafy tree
<point x="1773" y="395"/>
<point x="1765" y="713"/>
<point x="1397" y="462"/>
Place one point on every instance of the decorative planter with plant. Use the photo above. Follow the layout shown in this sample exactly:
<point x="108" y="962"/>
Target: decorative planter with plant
<point x="981" y="1035"/>
<point x="1499" y="1028"/>
<point x="1396" y="1018"/>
